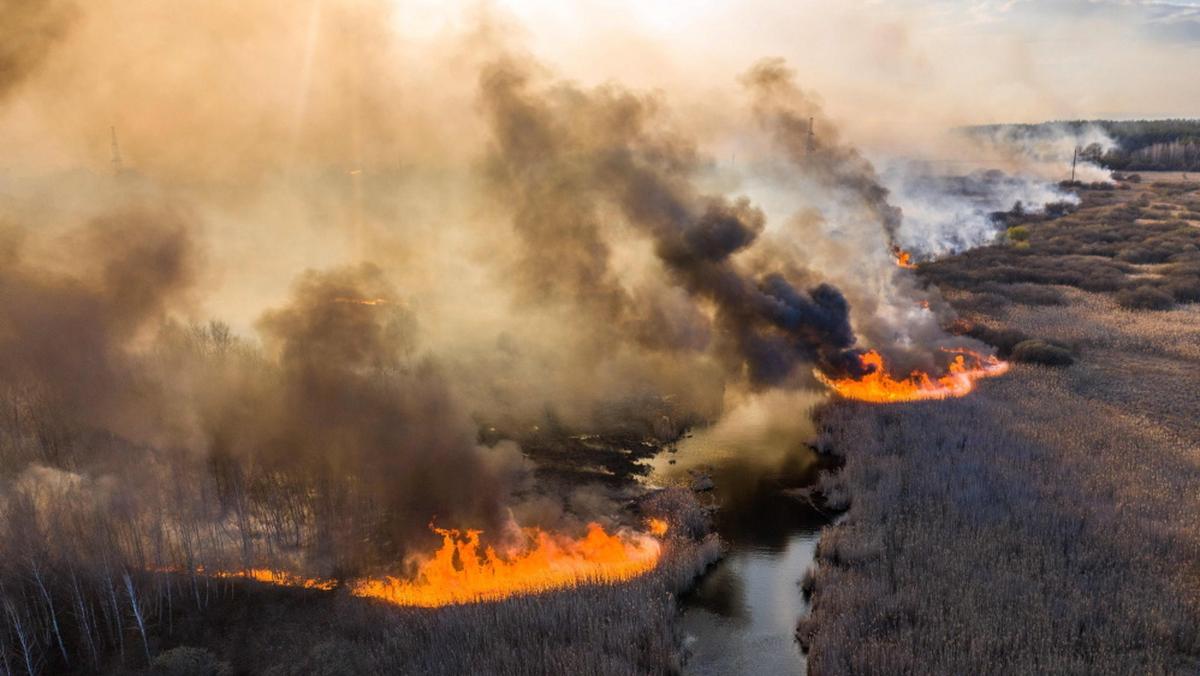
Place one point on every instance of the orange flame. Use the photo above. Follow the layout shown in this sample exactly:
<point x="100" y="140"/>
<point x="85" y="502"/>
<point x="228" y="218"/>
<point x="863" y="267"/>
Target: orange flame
<point x="903" y="258"/>
<point x="880" y="387"/>
<point x="460" y="573"/>
<point x="275" y="577"/>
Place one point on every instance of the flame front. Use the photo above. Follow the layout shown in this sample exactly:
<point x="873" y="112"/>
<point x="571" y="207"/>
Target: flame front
<point x="880" y="387"/>
<point x="658" y="527"/>
<point x="460" y="572"/>
<point x="276" y="577"/>
<point x="903" y="258"/>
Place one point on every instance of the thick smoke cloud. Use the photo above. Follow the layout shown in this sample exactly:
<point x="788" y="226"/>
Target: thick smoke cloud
<point x="354" y="401"/>
<point x="338" y="410"/>
<point x="794" y="120"/>
<point x="567" y="153"/>
<point x="944" y="215"/>
<point x="1046" y="151"/>
<point x="73" y="309"/>
<point x="505" y="257"/>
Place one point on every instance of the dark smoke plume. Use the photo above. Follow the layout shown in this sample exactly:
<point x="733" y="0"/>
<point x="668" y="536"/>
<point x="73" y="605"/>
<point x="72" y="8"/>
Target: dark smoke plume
<point x="787" y="112"/>
<point x="353" y="403"/>
<point x="578" y="165"/>
<point x="337" y="427"/>
<point x="68" y="323"/>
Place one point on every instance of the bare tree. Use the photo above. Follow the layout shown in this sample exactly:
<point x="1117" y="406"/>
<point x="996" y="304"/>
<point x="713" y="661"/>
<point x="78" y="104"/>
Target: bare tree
<point x="137" y="613"/>
<point x="41" y="584"/>
<point x="24" y="639"/>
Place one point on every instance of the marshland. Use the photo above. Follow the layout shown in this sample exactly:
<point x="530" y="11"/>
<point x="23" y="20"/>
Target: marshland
<point x="514" y="337"/>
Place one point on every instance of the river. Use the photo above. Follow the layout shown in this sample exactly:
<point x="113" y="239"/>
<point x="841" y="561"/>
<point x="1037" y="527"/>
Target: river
<point x="741" y="616"/>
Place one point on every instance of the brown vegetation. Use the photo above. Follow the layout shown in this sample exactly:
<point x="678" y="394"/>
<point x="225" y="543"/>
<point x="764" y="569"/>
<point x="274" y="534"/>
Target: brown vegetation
<point x="1046" y="523"/>
<point x="1137" y="243"/>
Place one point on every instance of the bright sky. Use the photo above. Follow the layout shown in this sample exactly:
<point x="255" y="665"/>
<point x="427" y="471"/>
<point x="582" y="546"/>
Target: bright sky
<point x="959" y="61"/>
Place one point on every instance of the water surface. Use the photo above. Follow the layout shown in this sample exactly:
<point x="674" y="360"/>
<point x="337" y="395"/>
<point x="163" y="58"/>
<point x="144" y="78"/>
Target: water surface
<point x="741" y="616"/>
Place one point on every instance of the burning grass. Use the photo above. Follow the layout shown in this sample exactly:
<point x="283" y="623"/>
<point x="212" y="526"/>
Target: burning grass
<point x="1046" y="524"/>
<point x="605" y="614"/>
<point x="461" y="571"/>
<point x="880" y="386"/>
<point x="903" y="258"/>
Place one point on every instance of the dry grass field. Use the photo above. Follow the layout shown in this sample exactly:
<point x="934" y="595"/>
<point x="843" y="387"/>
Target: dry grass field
<point x="1049" y="522"/>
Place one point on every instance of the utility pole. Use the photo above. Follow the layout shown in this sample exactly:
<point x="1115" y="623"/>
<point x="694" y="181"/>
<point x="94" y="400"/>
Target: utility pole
<point x="811" y="142"/>
<point x="1074" y="157"/>
<point x="116" y="153"/>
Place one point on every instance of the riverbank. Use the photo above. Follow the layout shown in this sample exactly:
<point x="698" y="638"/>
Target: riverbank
<point x="1047" y="523"/>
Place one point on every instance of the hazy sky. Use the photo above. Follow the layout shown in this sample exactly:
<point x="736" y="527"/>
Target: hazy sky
<point x="182" y="84"/>
<point x="941" y="61"/>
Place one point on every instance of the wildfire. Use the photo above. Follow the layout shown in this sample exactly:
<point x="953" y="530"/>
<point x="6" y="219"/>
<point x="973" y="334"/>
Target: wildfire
<point x="460" y="572"/>
<point x="880" y="387"/>
<point x="903" y="258"/>
<point x="275" y="577"/>
<point x="658" y="527"/>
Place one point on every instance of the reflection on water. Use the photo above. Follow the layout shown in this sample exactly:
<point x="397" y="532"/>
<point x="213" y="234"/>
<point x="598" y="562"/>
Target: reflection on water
<point x="741" y="617"/>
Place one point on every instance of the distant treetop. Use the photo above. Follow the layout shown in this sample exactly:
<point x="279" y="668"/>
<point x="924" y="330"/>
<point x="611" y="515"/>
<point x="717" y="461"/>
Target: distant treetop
<point x="1146" y="145"/>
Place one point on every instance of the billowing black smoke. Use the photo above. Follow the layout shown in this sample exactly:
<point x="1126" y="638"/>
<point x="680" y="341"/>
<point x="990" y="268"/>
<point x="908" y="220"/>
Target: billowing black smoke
<point x="578" y="165"/>
<point x="67" y="322"/>
<point x="811" y="142"/>
<point x="378" y="427"/>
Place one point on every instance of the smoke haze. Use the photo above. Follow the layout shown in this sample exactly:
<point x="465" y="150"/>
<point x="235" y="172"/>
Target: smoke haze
<point x="324" y="249"/>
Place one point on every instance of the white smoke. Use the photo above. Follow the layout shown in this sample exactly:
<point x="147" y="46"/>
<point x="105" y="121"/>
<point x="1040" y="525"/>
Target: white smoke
<point x="1047" y="150"/>
<point x="945" y="214"/>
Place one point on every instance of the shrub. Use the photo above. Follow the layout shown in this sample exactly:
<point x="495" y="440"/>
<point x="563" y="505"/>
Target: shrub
<point x="1038" y="351"/>
<point x="1018" y="233"/>
<point x="1058" y="209"/>
<point x="1145" y="298"/>
<point x="1145" y="255"/>
<point x="1184" y="290"/>
<point x="189" y="661"/>
<point x="1004" y="340"/>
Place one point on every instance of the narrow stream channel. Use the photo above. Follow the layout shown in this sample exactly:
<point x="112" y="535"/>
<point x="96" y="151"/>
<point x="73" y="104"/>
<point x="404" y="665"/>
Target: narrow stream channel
<point x="740" y="618"/>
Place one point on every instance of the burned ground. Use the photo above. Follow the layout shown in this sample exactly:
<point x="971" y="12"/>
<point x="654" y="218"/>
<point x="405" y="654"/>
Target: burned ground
<point x="1046" y="523"/>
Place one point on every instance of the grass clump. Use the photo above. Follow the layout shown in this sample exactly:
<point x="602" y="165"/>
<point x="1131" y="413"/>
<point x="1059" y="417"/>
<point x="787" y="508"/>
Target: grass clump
<point x="1041" y="352"/>
<point x="1145" y="298"/>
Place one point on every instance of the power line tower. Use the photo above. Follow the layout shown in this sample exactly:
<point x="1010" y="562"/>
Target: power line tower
<point x="810" y="143"/>
<point x="116" y="153"/>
